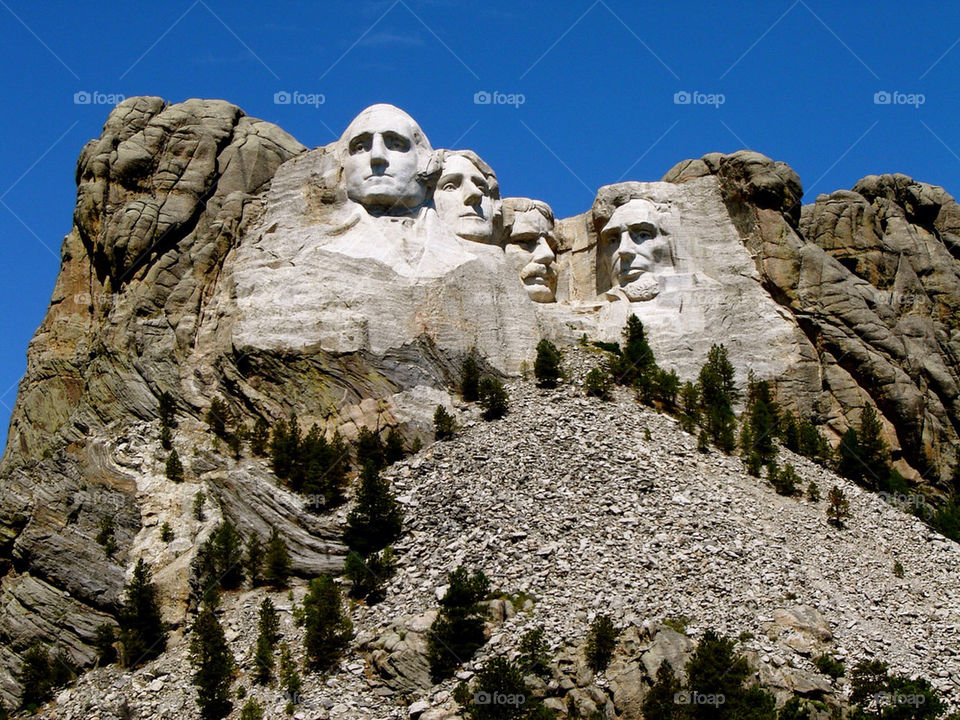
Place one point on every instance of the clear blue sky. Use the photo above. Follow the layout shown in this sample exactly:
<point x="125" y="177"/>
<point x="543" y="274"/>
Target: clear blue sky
<point x="599" y="78"/>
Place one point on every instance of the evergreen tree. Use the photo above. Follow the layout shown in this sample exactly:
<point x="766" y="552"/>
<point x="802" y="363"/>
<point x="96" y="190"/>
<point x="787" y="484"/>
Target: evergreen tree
<point x="268" y="622"/>
<point x="838" y="507"/>
<point x="263" y="661"/>
<point x="635" y="360"/>
<point x="690" y="407"/>
<point x="368" y="576"/>
<point x="597" y="384"/>
<point x="316" y="458"/>
<point x="534" y="659"/>
<point x="260" y="437"/>
<point x="849" y="464"/>
<point x="762" y="419"/>
<point x="141" y="629"/>
<point x="661" y="702"/>
<point x="213" y="666"/>
<point x="377" y="519"/>
<point x="253" y="560"/>
<point x="664" y="387"/>
<point x="276" y="569"/>
<point x="873" y="450"/>
<point x="35" y="677"/>
<point x="493" y="398"/>
<point x="166" y="438"/>
<point x="546" y="368"/>
<point x="500" y="677"/>
<point x="601" y="642"/>
<point x="285" y="447"/>
<point x="167" y="410"/>
<point x="251" y="710"/>
<point x="104" y="643"/>
<point x="220" y="559"/>
<point x="327" y="628"/>
<point x="269" y="633"/>
<point x="198" y="501"/>
<point x="289" y="678"/>
<point x="174" y="467"/>
<point x="370" y="450"/>
<point x="716" y="669"/>
<point x="457" y="631"/>
<point x="789" y="431"/>
<point x="470" y="378"/>
<point x="394" y="449"/>
<point x="217" y="418"/>
<point x="811" y="443"/>
<point x="443" y="425"/>
<point x="717" y="397"/>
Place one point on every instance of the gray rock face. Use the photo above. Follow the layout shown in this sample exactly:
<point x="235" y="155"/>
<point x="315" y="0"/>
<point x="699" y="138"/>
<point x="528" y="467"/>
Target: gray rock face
<point x="212" y="255"/>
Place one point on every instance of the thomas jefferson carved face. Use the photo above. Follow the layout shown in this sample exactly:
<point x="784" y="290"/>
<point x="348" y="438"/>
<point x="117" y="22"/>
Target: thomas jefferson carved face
<point x="467" y="198"/>
<point x="385" y="155"/>
<point x="532" y="246"/>
<point x="635" y="249"/>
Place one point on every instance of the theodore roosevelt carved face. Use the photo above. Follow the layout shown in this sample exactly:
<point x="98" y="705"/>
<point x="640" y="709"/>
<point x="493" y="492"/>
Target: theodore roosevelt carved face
<point x="532" y="246"/>
<point x="385" y="161"/>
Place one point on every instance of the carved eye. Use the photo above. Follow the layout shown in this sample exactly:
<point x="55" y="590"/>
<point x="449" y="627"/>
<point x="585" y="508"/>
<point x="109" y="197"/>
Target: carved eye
<point x="360" y="144"/>
<point x="448" y="186"/>
<point x="483" y="188"/>
<point x="392" y="141"/>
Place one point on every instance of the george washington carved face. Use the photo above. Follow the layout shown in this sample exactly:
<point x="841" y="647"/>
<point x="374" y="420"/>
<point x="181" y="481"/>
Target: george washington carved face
<point x="385" y="159"/>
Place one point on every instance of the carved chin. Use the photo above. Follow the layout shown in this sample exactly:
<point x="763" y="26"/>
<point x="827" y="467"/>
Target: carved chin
<point x="540" y="293"/>
<point x="646" y="287"/>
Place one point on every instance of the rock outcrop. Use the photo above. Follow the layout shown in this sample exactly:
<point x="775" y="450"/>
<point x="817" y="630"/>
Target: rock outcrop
<point x="214" y="256"/>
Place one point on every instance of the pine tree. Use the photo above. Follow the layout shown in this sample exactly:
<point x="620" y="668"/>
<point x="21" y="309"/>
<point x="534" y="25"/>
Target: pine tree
<point x="285" y="446"/>
<point x="690" y="407"/>
<point x="141" y="629"/>
<point x="317" y="458"/>
<point x="470" y="378"/>
<point x="166" y="438"/>
<point x="838" y="507"/>
<point x="368" y="576"/>
<point x="873" y="450"/>
<point x="457" y="632"/>
<point x="289" y="678"/>
<point x="443" y="425"/>
<point x="251" y="710"/>
<point x="269" y="633"/>
<point x="220" y="559"/>
<point x="717" y="397"/>
<point x="35" y="677"/>
<point x="849" y="464"/>
<point x="762" y="419"/>
<point x="601" y="641"/>
<point x="263" y="661"/>
<point x="661" y="701"/>
<point x="167" y="410"/>
<point x="394" y="450"/>
<point x="370" y="450"/>
<point x="597" y="384"/>
<point x="213" y="666"/>
<point x="260" y="437"/>
<point x="253" y="560"/>
<point x="276" y="569"/>
<point x="493" y="398"/>
<point x="104" y="643"/>
<point x="376" y="520"/>
<point x="174" y="467"/>
<point x="217" y="418"/>
<point x="198" y="501"/>
<point x="635" y="361"/>
<point x="327" y="628"/>
<point x="546" y="368"/>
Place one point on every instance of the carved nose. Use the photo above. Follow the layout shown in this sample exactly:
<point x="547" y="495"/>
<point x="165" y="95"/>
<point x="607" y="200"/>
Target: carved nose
<point x="378" y="152"/>
<point x="542" y="254"/>
<point x="472" y="194"/>
<point x="628" y="248"/>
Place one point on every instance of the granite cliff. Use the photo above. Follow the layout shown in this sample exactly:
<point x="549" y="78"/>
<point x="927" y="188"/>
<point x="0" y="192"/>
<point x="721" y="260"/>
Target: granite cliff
<point x="214" y="256"/>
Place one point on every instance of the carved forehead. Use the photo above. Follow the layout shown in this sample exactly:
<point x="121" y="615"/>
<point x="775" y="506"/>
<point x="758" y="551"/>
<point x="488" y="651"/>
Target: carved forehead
<point x="385" y="118"/>
<point x="635" y="210"/>
<point x="451" y="159"/>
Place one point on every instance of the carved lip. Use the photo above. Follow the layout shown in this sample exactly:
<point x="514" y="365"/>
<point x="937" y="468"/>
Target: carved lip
<point x="632" y="273"/>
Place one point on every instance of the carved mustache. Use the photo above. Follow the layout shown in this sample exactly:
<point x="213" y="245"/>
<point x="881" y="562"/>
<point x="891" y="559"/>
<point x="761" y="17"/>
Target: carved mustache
<point x="537" y="270"/>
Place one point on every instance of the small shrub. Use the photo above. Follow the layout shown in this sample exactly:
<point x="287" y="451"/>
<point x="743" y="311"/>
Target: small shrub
<point x="198" y="501"/>
<point x="251" y="710"/>
<point x="443" y="425"/>
<point x="838" y="507"/>
<point x="500" y="677"/>
<point x="784" y="481"/>
<point x="597" y="384"/>
<point x="534" y="659"/>
<point x="601" y="642"/>
<point x="174" y="468"/>
<point x="828" y="666"/>
<point x="898" y="569"/>
<point x="546" y="368"/>
<point x="493" y="398"/>
<point x="166" y="533"/>
<point x="105" y="536"/>
<point x="794" y="709"/>
<point x="35" y="677"/>
<point x="813" y="492"/>
<point x="260" y="438"/>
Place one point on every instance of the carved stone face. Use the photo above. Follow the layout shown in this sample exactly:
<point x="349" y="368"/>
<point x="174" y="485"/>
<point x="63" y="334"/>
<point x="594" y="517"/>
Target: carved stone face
<point x="384" y="149"/>
<point x="531" y="245"/>
<point x="464" y="200"/>
<point x="635" y="249"/>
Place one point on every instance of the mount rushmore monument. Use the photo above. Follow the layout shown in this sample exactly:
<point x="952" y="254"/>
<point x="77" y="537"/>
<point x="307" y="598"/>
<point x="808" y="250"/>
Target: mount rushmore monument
<point x="214" y="256"/>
